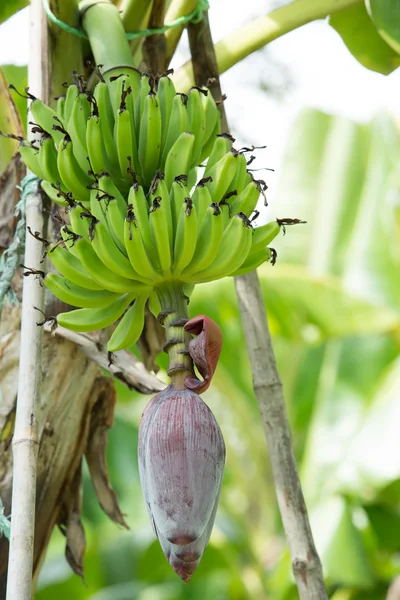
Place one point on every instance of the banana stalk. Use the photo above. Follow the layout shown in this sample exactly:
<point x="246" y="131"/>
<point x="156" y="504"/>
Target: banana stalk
<point x="98" y="19"/>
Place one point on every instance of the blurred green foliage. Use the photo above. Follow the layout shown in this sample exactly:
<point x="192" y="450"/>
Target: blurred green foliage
<point x="365" y="40"/>
<point x="386" y="16"/>
<point x="332" y="302"/>
<point x="10" y="7"/>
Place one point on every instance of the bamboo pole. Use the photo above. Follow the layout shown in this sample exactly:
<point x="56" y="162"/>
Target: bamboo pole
<point x="267" y="385"/>
<point x="25" y="440"/>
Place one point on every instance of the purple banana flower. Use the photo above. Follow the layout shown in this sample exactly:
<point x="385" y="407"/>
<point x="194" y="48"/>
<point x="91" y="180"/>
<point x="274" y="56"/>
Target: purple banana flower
<point x="181" y="462"/>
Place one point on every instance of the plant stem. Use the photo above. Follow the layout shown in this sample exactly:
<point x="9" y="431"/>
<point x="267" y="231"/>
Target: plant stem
<point x="66" y="48"/>
<point x="103" y="26"/>
<point x="25" y="442"/>
<point x="154" y="46"/>
<point x="133" y="13"/>
<point x="266" y="382"/>
<point x="258" y="33"/>
<point x="135" y="16"/>
<point x="177" y="8"/>
<point x="204" y="61"/>
<point x="173" y="316"/>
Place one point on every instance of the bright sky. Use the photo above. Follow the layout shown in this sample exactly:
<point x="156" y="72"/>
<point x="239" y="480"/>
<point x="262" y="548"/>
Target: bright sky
<point x="323" y="74"/>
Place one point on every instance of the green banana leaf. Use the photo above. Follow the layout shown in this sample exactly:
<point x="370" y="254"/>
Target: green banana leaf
<point x="18" y="76"/>
<point x="386" y="16"/>
<point x="362" y="39"/>
<point x="375" y="469"/>
<point x="9" y="123"/>
<point x="340" y="545"/>
<point x="347" y="202"/>
<point x="385" y="523"/>
<point x="10" y="7"/>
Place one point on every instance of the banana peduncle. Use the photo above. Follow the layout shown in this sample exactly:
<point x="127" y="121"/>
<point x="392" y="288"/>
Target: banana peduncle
<point x="173" y="316"/>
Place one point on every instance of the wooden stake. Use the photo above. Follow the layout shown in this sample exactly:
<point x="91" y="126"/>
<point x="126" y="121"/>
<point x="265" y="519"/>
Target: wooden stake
<point x="25" y="440"/>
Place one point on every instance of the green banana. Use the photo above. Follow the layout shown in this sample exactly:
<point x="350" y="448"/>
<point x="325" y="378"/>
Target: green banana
<point x="109" y="254"/>
<point x="137" y="254"/>
<point x="109" y="155"/>
<point x="213" y="124"/>
<point x="73" y="294"/>
<point x="114" y="208"/>
<point x="134" y="80"/>
<point x="179" y="158"/>
<point x="71" y="267"/>
<point x="178" y="123"/>
<point x="222" y="174"/>
<point x="82" y="220"/>
<point x="53" y="193"/>
<point x="98" y="205"/>
<point x="105" y="108"/>
<point x="262" y="236"/>
<point x="46" y="117"/>
<point x="60" y="107"/>
<point x="150" y="138"/>
<point x="30" y="156"/>
<point x="177" y="196"/>
<point x="107" y="185"/>
<point x="165" y="93"/>
<point x="125" y="137"/>
<point x="48" y="160"/>
<point x="74" y="179"/>
<point x="192" y="178"/>
<point x="81" y="111"/>
<point x="208" y="240"/>
<point x="209" y="144"/>
<point x="221" y="147"/>
<point x="145" y="90"/>
<point x="247" y="200"/>
<point x="91" y="319"/>
<point x="130" y="327"/>
<point x="102" y="210"/>
<point x="159" y="233"/>
<point x="253" y="262"/>
<point x="202" y="199"/>
<point x="141" y="210"/>
<point x="95" y="144"/>
<point x="239" y="181"/>
<point x="158" y="188"/>
<point x="70" y="97"/>
<point x="235" y="241"/>
<point x="197" y="122"/>
<point x="104" y="276"/>
<point x="185" y="237"/>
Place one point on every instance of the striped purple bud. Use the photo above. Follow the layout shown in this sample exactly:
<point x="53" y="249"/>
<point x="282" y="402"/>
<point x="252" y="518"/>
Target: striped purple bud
<point x="181" y="464"/>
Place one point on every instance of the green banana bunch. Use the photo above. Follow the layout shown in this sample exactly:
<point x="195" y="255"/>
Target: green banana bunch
<point x="116" y="254"/>
<point x="128" y="127"/>
<point x="123" y="161"/>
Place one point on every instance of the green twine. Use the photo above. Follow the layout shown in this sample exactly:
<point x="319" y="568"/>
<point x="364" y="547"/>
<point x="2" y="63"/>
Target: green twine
<point x="11" y="257"/>
<point x="194" y="17"/>
<point x="5" y="525"/>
